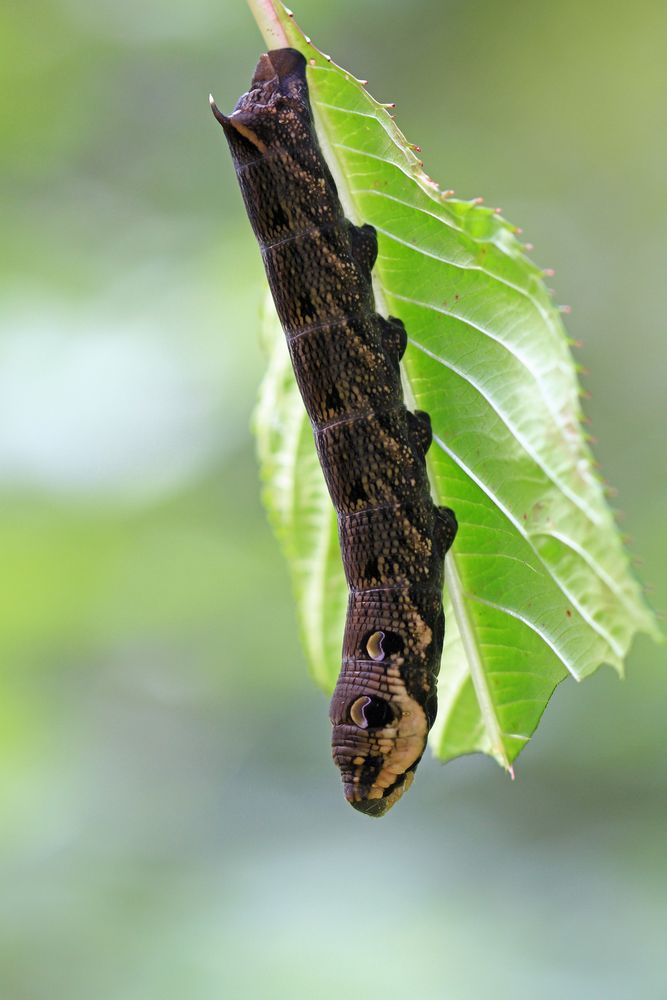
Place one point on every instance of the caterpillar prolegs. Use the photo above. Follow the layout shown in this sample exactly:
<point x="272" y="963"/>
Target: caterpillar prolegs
<point x="372" y="449"/>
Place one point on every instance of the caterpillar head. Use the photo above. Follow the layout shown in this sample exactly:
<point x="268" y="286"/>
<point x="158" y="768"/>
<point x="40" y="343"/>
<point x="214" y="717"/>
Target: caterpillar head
<point x="379" y="727"/>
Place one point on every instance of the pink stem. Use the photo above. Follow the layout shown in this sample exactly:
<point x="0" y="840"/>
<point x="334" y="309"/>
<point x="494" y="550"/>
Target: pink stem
<point x="264" y="12"/>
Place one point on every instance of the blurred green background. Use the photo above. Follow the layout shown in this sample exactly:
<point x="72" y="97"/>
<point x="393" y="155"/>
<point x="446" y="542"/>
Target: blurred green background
<point x="171" y="823"/>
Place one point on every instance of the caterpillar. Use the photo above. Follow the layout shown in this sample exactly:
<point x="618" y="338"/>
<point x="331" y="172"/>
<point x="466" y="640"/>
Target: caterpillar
<point x="372" y="450"/>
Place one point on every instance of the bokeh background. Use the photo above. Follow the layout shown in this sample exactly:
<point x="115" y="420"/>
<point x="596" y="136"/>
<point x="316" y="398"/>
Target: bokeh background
<point x="171" y="824"/>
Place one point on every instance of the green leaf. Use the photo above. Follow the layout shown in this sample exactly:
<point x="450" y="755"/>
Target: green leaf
<point x="537" y="583"/>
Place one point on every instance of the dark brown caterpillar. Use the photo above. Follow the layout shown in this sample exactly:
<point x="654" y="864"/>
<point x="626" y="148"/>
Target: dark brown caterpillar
<point x="346" y="360"/>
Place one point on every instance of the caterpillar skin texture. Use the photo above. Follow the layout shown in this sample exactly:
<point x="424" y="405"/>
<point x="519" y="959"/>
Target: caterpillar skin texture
<point x="346" y="360"/>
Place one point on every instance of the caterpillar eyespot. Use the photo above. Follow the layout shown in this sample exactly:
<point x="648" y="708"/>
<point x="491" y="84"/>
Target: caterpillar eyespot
<point x="380" y="645"/>
<point x="372" y="450"/>
<point x="374" y="646"/>
<point x="371" y="713"/>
